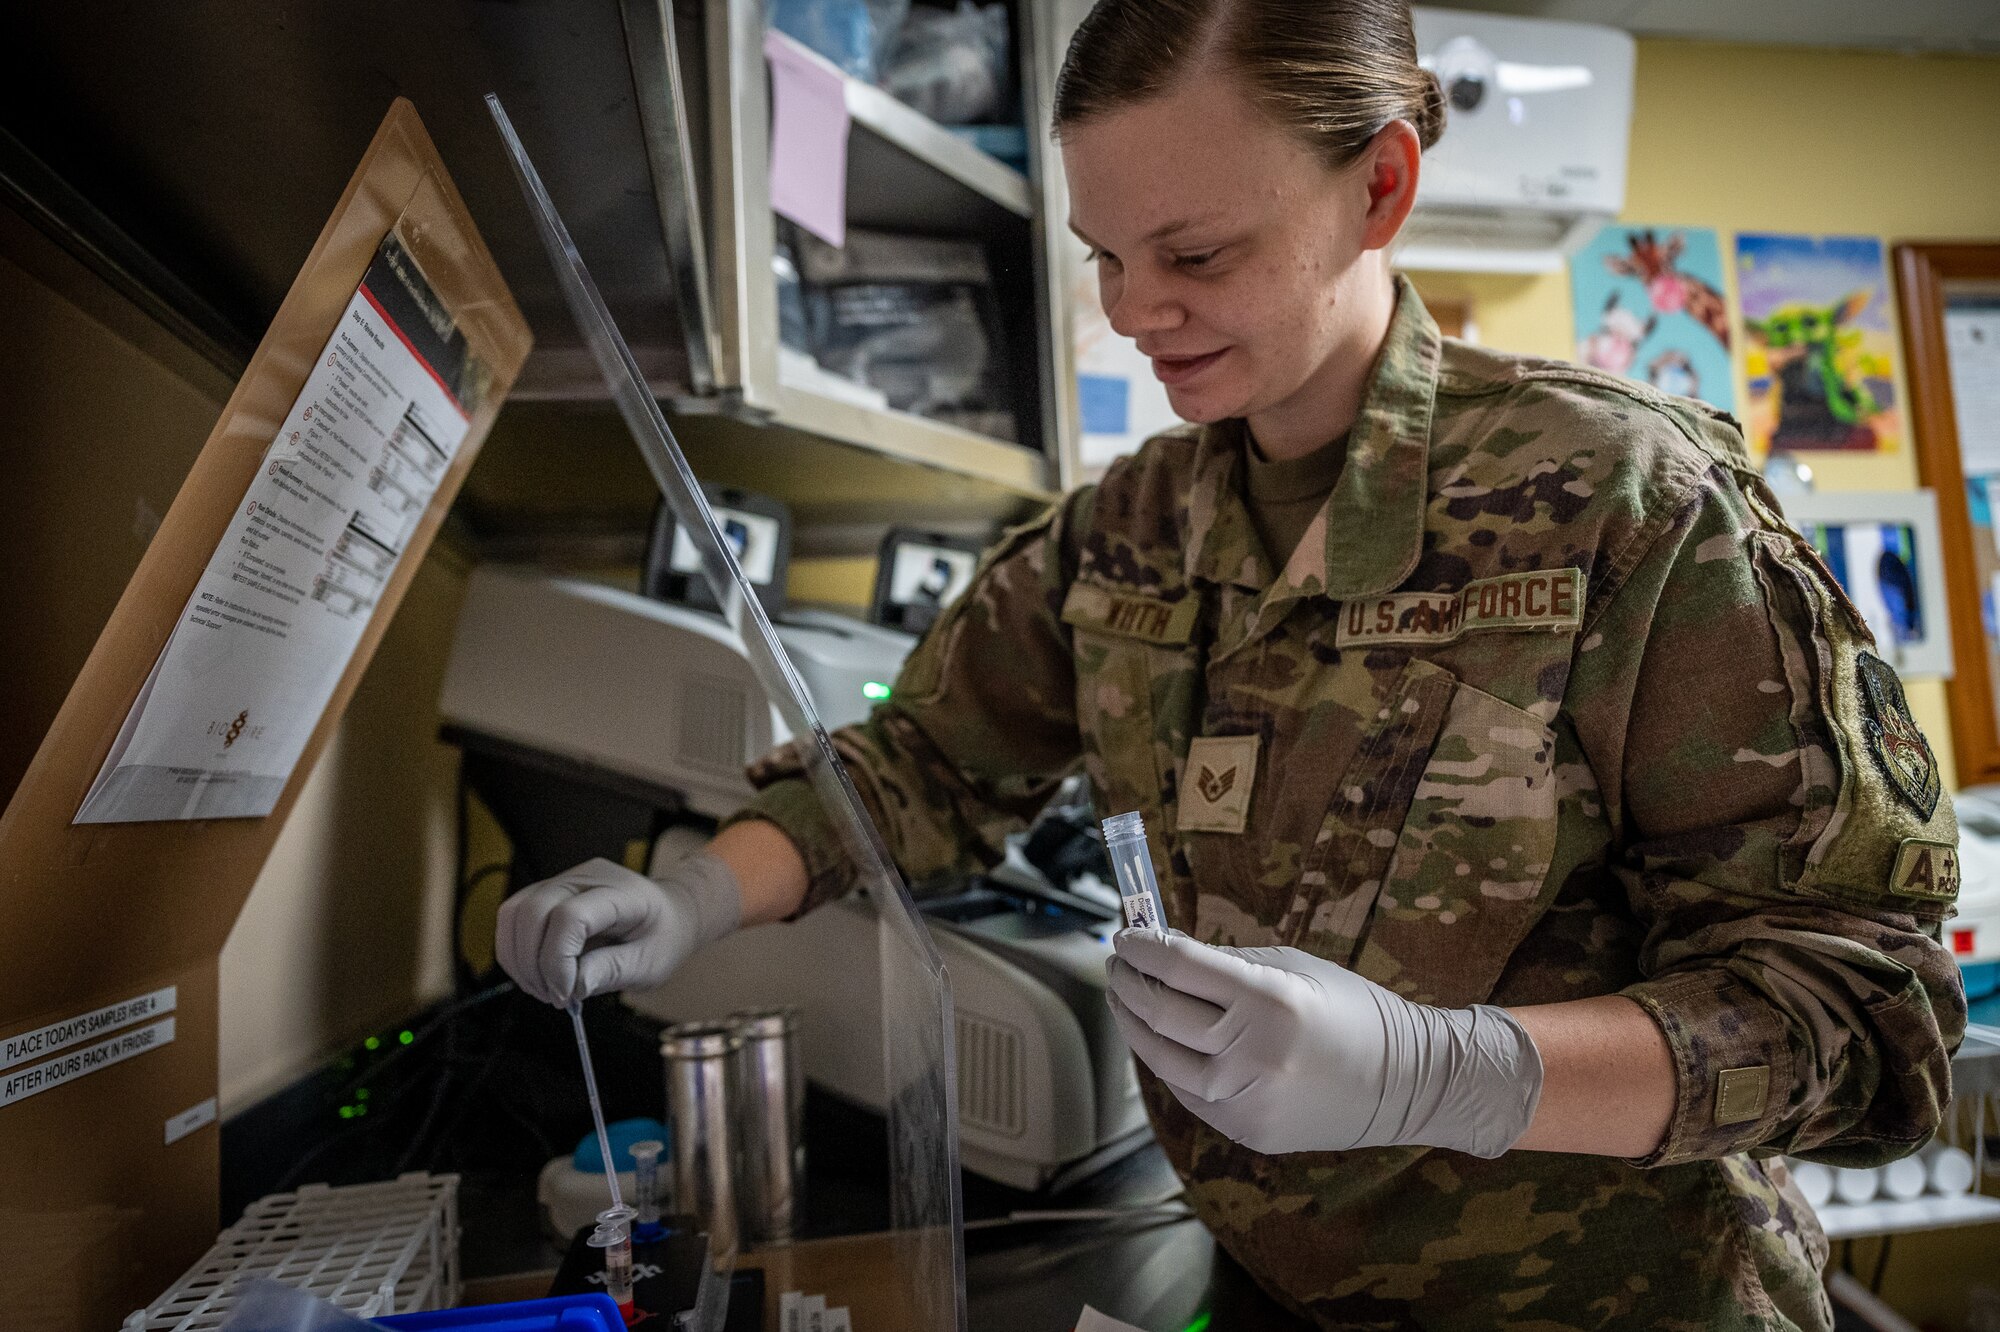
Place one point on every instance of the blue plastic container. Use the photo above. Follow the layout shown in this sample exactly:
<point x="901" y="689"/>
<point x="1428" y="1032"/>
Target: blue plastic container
<point x="564" y="1313"/>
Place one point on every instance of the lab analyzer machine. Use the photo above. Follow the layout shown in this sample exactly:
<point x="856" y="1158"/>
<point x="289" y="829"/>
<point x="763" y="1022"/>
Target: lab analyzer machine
<point x="593" y="715"/>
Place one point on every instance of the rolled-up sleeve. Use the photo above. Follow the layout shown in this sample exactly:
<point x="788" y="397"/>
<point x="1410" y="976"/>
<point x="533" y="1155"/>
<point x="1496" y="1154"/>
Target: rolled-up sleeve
<point x="979" y="729"/>
<point x="1781" y="836"/>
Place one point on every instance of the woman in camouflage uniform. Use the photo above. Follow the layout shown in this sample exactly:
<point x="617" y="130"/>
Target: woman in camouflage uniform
<point x="1547" y="848"/>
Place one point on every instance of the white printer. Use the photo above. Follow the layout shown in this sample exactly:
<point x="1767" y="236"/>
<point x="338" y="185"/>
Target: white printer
<point x="622" y="692"/>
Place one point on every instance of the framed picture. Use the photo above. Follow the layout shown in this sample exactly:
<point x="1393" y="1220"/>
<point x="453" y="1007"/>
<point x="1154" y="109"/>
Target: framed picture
<point x="1884" y="549"/>
<point x="1819" y="343"/>
<point x="1949" y="296"/>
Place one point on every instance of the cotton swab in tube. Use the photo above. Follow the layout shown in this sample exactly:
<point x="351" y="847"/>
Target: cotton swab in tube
<point x="1132" y="866"/>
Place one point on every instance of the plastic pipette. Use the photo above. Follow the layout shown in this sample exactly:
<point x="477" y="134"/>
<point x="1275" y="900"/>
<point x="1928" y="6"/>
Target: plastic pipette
<point x="614" y="1223"/>
<point x="596" y="1106"/>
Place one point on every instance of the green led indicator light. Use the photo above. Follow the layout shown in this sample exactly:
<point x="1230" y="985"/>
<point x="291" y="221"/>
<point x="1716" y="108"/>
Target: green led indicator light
<point x="405" y="1037"/>
<point x="875" y="691"/>
<point x="372" y="1043"/>
<point x="1201" y="1322"/>
<point x="347" y="1112"/>
<point x="360" y="1110"/>
<point x="361" y="1095"/>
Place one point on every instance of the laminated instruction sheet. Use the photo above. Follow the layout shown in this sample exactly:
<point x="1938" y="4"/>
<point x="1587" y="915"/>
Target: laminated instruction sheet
<point x="265" y="639"/>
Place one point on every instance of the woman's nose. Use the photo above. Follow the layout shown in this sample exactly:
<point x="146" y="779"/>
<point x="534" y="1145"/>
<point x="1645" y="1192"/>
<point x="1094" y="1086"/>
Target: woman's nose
<point x="1136" y="306"/>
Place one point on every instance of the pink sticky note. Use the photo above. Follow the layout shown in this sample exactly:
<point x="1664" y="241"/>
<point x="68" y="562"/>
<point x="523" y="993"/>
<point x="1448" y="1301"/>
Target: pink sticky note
<point x="808" y="140"/>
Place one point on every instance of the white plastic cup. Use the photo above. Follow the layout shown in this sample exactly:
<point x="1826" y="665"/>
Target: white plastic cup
<point x="1815" y="1181"/>
<point x="1854" y="1187"/>
<point x="1905" y="1179"/>
<point x="1949" y="1169"/>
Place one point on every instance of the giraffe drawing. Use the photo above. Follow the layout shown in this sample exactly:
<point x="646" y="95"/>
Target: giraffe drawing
<point x="1652" y="261"/>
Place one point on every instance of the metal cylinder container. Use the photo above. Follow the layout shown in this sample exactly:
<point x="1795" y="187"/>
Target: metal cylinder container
<point x="770" y="1093"/>
<point x="701" y="1064"/>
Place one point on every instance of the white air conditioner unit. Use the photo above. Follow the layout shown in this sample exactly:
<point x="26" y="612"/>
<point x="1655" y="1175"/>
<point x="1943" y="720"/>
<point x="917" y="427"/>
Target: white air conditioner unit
<point x="1532" y="162"/>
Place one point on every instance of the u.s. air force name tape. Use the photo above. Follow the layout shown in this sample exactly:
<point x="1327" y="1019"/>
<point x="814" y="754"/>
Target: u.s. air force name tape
<point x="82" y="1063"/>
<point x="45" y="1041"/>
<point x="1546" y="599"/>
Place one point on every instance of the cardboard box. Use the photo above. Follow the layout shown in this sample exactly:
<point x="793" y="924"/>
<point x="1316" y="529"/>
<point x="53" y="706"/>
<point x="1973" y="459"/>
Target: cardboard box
<point x="98" y="1210"/>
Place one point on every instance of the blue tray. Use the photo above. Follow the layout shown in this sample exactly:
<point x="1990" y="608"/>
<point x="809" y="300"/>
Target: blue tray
<point x="564" y="1313"/>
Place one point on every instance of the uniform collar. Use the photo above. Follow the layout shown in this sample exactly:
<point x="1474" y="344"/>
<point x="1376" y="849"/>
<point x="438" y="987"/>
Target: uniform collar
<point x="1368" y="538"/>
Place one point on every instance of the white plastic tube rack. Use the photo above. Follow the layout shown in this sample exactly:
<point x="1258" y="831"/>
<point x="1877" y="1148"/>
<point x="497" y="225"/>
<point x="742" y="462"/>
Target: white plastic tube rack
<point x="370" y="1249"/>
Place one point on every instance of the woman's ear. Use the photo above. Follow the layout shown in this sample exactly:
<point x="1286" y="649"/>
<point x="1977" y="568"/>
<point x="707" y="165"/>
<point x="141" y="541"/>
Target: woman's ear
<point x="1390" y="165"/>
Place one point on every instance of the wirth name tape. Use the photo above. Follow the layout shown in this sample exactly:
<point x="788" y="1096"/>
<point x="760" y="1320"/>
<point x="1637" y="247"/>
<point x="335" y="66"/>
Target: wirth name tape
<point x="82" y="1063"/>
<point x="45" y="1041"/>
<point x="1091" y="606"/>
<point x="1546" y="599"/>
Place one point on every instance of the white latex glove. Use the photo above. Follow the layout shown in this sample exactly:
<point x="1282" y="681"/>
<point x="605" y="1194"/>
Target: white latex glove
<point x="1282" y="1051"/>
<point x="602" y="927"/>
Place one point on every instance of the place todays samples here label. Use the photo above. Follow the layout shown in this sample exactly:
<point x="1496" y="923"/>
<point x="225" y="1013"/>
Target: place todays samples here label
<point x="53" y="1037"/>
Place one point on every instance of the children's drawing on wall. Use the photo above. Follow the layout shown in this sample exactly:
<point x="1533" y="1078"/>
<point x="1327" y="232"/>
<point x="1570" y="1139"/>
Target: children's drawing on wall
<point x="1648" y="304"/>
<point x="1819" y="347"/>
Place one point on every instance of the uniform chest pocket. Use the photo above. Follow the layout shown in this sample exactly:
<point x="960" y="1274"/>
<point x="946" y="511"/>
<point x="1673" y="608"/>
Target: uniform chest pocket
<point x="1469" y="875"/>
<point x="1134" y="682"/>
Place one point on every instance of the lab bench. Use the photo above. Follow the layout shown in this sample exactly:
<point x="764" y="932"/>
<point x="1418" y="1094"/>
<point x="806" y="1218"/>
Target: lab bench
<point x="1155" y="1271"/>
<point x="1158" y="1270"/>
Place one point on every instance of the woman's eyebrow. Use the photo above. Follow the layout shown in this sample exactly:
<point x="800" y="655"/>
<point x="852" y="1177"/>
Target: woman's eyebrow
<point x="1166" y="231"/>
<point x="1186" y="224"/>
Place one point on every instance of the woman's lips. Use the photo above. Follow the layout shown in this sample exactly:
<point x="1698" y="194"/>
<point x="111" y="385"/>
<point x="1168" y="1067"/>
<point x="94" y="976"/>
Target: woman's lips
<point x="1180" y="369"/>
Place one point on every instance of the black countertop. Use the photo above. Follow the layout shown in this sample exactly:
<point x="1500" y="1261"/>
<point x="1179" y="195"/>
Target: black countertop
<point x="494" y="1094"/>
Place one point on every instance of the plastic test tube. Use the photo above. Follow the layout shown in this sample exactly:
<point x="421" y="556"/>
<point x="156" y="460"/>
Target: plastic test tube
<point x="646" y="1173"/>
<point x="614" y="1236"/>
<point x="1132" y="865"/>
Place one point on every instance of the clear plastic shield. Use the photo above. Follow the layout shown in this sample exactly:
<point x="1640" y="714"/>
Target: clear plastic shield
<point x="919" y="1052"/>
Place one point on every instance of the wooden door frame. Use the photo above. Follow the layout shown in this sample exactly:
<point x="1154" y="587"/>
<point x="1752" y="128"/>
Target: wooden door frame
<point x="1922" y="270"/>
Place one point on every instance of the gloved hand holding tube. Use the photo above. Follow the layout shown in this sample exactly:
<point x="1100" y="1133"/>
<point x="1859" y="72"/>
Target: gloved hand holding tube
<point x="1283" y="1051"/>
<point x="1286" y="1052"/>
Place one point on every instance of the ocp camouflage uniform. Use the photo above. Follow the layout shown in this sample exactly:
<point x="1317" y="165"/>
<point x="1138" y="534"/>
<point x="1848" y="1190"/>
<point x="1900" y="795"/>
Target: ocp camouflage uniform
<point x="1549" y="702"/>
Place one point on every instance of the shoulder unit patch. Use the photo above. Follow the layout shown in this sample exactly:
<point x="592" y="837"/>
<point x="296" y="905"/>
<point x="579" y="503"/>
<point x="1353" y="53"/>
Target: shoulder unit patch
<point x="1898" y="747"/>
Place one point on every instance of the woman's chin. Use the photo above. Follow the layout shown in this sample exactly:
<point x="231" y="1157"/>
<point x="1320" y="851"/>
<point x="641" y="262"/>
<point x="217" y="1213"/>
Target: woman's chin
<point x="1204" y="405"/>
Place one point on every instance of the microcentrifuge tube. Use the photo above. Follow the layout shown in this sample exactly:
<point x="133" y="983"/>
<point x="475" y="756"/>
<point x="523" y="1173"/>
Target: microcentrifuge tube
<point x="614" y="1236"/>
<point x="1132" y="865"/>
<point x="646" y="1176"/>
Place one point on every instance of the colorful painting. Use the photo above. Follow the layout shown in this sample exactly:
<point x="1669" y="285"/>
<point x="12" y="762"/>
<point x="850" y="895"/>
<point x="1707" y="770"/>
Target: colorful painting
<point x="1819" y="343"/>
<point x="1648" y="304"/>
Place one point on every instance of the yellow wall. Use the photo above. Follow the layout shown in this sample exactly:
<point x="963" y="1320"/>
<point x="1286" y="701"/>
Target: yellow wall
<point x="1760" y="139"/>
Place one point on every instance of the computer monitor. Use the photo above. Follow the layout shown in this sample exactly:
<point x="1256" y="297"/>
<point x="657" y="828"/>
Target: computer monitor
<point x="919" y="574"/>
<point x="757" y="528"/>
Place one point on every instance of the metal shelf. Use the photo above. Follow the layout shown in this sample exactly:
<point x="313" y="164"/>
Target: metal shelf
<point x="917" y="439"/>
<point x="907" y="172"/>
<point x="588" y="503"/>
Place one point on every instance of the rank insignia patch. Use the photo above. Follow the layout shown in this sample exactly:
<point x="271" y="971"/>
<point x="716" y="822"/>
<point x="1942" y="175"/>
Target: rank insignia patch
<point x="1899" y="748"/>
<point x="1215" y="788"/>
